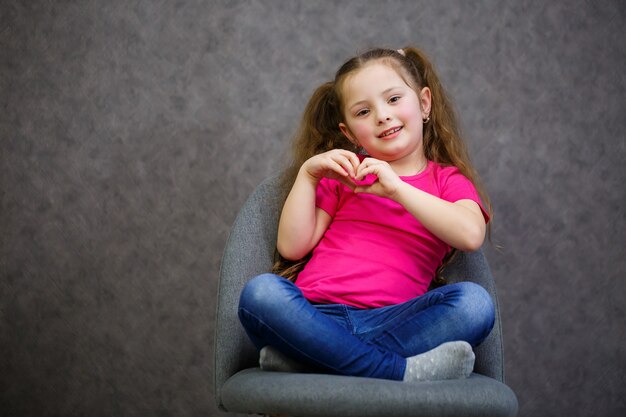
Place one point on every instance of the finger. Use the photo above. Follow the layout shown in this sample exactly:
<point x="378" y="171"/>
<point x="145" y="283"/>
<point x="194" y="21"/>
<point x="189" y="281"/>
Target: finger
<point x="366" y="163"/>
<point x="337" y="168"/>
<point x="349" y="160"/>
<point x="371" y="161"/>
<point x="364" y="171"/>
<point x="362" y="166"/>
<point x="347" y="164"/>
<point x="354" y="160"/>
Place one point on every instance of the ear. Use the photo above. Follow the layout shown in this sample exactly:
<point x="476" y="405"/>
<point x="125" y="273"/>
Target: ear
<point x="346" y="132"/>
<point x="425" y="100"/>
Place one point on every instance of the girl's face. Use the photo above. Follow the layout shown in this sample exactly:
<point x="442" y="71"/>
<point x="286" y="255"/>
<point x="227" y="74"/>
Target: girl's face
<point x="384" y="116"/>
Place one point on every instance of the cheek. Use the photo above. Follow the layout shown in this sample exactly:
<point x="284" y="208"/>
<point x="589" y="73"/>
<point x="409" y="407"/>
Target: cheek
<point x="361" y="130"/>
<point x="410" y="112"/>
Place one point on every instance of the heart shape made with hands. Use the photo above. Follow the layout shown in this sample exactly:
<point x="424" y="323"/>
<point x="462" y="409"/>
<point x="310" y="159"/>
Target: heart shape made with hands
<point x="368" y="180"/>
<point x="352" y="183"/>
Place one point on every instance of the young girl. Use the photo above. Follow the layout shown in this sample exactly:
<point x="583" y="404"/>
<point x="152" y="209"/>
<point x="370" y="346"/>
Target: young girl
<point x="383" y="191"/>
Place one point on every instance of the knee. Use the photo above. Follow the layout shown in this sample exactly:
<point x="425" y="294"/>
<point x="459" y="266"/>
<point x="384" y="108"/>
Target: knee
<point x="476" y="306"/>
<point x="261" y="292"/>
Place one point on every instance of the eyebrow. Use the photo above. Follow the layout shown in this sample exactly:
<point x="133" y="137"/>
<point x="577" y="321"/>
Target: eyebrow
<point x="382" y="94"/>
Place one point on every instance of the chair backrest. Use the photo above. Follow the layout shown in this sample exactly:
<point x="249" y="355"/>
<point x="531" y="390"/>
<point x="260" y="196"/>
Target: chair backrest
<point x="250" y="251"/>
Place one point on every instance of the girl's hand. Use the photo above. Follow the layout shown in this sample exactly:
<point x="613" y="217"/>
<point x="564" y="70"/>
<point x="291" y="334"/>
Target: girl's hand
<point x="337" y="164"/>
<point x="387" y="183"/>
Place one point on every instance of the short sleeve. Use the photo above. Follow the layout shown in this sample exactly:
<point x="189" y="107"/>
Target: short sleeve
<point x="327" y="195"/>
<point x="456" y="186"/>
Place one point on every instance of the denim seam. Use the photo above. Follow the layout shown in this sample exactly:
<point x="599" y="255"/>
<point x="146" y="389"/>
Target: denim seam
<point x="346" y="314"/>
<point x="400" y="323"/>
<point x="398" y="372"/>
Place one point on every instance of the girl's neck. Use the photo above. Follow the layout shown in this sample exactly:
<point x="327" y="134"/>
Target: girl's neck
<point x="407" y="167"/>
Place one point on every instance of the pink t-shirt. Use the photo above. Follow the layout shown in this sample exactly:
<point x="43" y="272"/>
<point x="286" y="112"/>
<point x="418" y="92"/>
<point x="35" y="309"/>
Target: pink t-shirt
<point x="374" y="252"/>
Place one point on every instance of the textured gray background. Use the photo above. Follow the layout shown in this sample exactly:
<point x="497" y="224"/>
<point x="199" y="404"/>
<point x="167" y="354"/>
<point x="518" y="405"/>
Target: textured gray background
<point x="131" y="133"/>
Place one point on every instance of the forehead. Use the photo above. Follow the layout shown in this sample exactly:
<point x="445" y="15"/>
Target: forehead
<point x="372" y="79"/>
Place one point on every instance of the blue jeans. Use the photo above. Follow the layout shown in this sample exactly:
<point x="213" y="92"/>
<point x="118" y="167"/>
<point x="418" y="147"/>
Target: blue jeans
<point x="362" y="342"/>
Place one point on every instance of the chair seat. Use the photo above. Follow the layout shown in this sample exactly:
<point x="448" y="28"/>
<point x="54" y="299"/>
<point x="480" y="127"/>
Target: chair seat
<point x="300" y="394"/>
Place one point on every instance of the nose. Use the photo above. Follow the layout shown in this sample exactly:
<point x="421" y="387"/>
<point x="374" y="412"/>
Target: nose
<point x="383" y="118"/>
<point x="383" y="113"/>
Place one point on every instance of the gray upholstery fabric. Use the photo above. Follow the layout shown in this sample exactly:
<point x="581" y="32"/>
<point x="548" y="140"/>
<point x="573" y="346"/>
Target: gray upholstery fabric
<point x="474" y="267"/>
<point x="249" y="251"/>
<point x="254" y="391"/>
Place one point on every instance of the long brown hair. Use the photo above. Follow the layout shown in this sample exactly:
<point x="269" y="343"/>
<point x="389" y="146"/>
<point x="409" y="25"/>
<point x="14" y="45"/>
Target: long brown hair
<point x="319" y="130"/>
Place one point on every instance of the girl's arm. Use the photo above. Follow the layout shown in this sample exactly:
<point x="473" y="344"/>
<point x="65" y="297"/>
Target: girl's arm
<point x="302" y="224"/>
<point x="460" y="224"/>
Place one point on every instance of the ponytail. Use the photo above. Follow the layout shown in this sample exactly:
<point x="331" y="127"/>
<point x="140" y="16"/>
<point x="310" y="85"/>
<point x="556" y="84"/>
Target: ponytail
<point x="442" y="139"/>
<point x="318" y="132"/>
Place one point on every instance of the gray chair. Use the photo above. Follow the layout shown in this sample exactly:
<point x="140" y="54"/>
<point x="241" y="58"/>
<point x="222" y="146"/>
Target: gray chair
<point x="240" y="386"/>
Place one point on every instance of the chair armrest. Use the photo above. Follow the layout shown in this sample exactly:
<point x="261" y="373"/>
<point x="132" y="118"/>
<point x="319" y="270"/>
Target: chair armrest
<point x="249" y="251"/>
<point x="473" y="267"/>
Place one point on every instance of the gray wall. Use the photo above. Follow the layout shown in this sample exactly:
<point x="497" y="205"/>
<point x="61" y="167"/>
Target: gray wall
<point x="131" y="133"/>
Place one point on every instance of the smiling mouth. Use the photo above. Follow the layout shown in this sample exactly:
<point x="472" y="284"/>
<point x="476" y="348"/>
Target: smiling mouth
<point x="390" y="131"/>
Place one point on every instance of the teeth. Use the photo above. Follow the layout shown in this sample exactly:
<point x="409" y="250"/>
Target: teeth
<point x="390" y="132"/>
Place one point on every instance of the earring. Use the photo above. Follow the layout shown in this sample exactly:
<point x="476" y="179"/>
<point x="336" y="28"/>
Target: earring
<point x="426" y="120"/>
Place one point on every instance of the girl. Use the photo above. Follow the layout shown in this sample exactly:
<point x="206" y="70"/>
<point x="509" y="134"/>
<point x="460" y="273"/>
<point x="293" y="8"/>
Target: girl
<point x="380" y="192"/>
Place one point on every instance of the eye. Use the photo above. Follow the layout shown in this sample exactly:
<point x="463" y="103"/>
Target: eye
<point x="362" y="112"/>
<point x="393" y="99"/>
